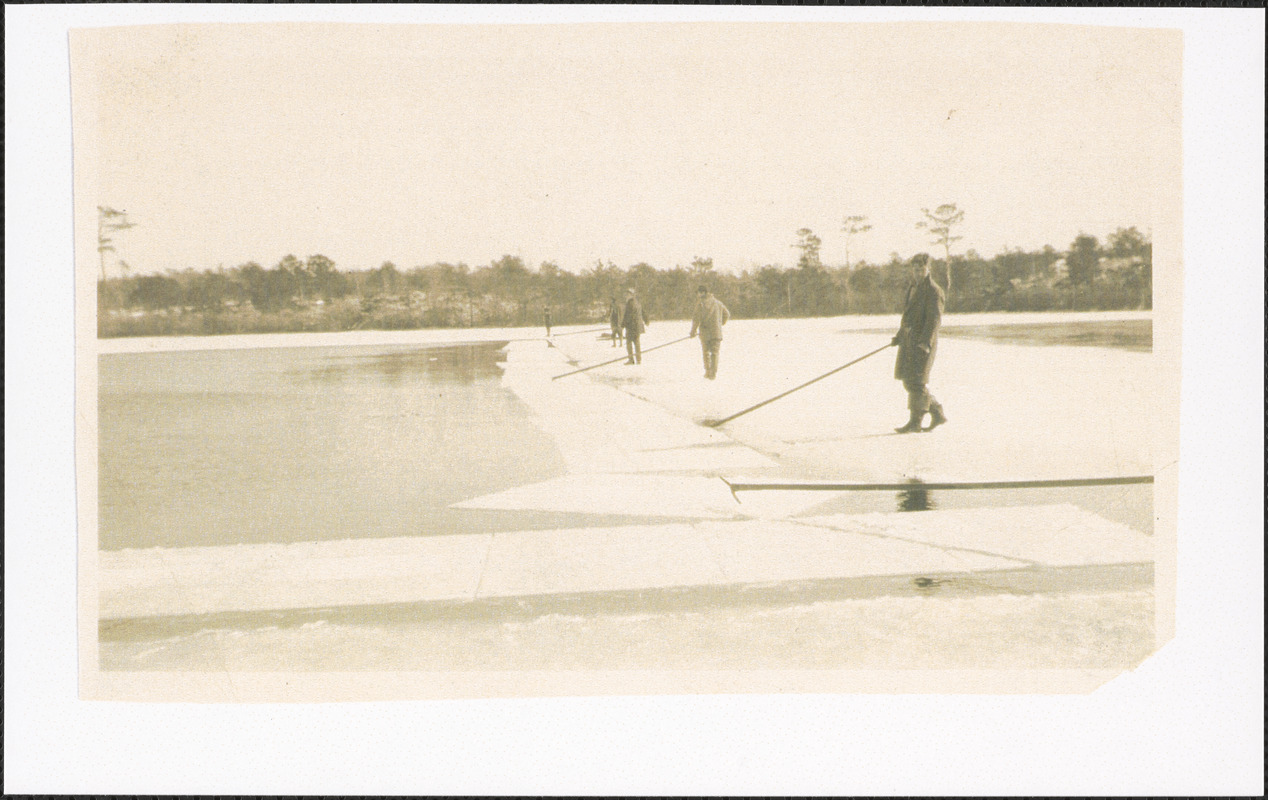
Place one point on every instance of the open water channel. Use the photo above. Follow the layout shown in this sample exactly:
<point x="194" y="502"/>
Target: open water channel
<point x="218" y="447"/>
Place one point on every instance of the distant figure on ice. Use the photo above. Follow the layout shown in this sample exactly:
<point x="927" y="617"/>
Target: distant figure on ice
<point x="547" y="315"/>
<point x="614" y="317"/>
<point x="709" y="317"/>
<point x="917" y="342"/>
<point x="634" y="323"/>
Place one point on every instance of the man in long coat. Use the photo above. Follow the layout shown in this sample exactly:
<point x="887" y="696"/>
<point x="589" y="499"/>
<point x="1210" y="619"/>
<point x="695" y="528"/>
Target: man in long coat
<point x="634" y="323"/>
<point x="709" y="317"/>
<point x="614" y="319"/>
<point x="917" y="342"/>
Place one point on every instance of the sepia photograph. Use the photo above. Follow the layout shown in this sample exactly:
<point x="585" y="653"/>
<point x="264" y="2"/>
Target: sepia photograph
<point x="621" y="357"/>
<point x="628" y="347"/>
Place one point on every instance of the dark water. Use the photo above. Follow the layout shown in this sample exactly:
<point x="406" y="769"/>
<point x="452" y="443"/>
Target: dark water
<point x="1129" y="334"/>
<point x="301" y="444"/>
<point x="1130" y="505"/>
<point x="1132" y="334"/>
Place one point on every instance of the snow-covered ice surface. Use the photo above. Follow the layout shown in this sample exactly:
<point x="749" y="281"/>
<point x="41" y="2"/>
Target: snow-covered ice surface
<point x="1016" y="412"/>
<point x="203" y="580"/>
<point x="239" y="578"/>
<point x="632" y="444"/>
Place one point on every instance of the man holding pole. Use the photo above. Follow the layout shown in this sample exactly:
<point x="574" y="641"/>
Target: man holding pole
<point x="709" y="317"/>
<point x="635" y="323"/>
<point x="917" y="341"/>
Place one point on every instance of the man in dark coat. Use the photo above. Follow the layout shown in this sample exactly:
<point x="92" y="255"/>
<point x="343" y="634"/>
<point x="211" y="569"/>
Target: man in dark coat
<point x="709" y="317"/>
<point x="917" y="342"/>
<point x="614" y="318"/>
<point x="634" y="323"/>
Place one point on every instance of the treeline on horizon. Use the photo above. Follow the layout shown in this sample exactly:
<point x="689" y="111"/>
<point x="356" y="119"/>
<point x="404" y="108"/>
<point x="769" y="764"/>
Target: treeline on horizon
<point x="314" y="295"/>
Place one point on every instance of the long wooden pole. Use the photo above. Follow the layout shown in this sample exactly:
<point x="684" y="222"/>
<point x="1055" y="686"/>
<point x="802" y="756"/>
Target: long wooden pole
<point x="714" y="423"/>
<point x="622" y="358"/>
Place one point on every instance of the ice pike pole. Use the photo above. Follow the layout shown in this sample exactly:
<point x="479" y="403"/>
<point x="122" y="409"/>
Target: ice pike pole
<point x="714" y="423"/>
<point x="622" y="358"/>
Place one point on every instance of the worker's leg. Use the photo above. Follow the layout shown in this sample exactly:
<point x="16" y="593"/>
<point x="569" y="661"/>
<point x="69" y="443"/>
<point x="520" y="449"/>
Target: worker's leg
<point x="917" y="405"/>
<point x="936" y="415"/>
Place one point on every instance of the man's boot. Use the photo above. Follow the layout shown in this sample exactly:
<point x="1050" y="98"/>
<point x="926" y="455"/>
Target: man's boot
<point x="936" y="417"/>
<point x="913" y="424"/>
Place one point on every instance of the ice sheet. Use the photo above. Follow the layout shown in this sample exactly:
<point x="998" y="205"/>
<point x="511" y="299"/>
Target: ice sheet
<point x="204" y="580"/>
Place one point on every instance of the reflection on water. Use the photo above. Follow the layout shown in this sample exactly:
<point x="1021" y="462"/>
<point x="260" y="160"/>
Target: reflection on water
<point x="1136" y="335"/>
<point x="1130" y="505"/>
<point x="301" y="444"/>
<point x="1128" y="334"/>
<point x="460" y="364"/>
<point x="915" y="499"/>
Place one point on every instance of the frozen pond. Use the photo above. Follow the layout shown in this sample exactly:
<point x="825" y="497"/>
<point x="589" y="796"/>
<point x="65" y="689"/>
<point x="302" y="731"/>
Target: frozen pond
<point x="257" y="442"/>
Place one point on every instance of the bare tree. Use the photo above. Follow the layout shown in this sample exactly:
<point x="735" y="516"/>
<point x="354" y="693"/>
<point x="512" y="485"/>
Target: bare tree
<point x="108" y="221"/>
<point x="940" y="222"/>
<point x="853" y="224"/>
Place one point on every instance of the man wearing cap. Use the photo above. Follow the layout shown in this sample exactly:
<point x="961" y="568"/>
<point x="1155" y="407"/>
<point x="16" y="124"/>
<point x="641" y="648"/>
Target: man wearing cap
<point x="634" y="323"/>
<point x="709" y="317"/>
<point x="917" y="341"/>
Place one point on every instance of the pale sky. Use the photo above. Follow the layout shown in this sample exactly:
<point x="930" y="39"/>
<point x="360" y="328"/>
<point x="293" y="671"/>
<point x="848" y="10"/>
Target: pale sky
<point x="651" y="142"/>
